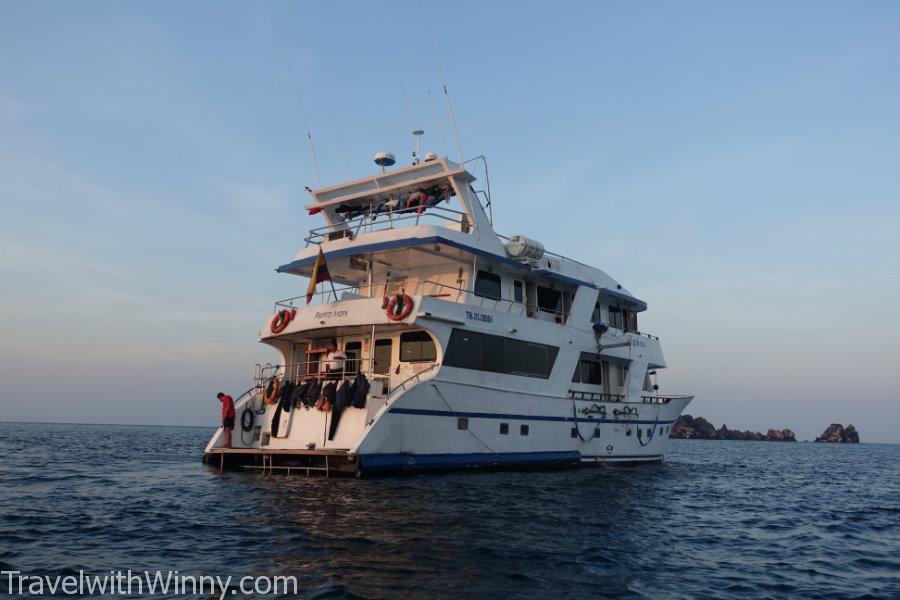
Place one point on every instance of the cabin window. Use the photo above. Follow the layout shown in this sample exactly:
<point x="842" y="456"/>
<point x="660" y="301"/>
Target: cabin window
<point x="518" y="296"/>
<point x="630" y="319"/>
<point x="597" y="315"/>
<point x="549" y="300"/>
<point x="588" y="371"/>
<point x="417" y="346"/>
<point x="498" y="354"/>
<point x="616" y="319"/>
<point x="504" y="428"/>
<point x="620" y="375"/>
<point x="526" y="358"/>
<point x="487" y="285"/>
<point x="462" y="423"/>
<point x="523" y="430"/>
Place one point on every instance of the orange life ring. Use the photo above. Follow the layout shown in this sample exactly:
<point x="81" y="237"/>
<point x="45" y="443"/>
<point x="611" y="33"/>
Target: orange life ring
<point x="270" y="398"/>
<point x="405" y="301"/>
<point x="280" y="321"/>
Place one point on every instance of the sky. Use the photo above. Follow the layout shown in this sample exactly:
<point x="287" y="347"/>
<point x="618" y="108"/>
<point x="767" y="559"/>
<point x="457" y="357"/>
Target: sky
<point x="733" y="164"/>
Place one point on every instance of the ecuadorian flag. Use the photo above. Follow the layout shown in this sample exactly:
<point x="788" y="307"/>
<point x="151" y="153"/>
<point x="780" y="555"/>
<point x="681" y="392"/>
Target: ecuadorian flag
<point x="319" y="273"/>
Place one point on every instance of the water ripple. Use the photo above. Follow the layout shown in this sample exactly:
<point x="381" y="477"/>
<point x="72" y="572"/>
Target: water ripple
<point x="715" y="520"/>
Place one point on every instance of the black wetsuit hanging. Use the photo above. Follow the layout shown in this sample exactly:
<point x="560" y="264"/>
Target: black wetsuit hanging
<point x="341" y="401"/>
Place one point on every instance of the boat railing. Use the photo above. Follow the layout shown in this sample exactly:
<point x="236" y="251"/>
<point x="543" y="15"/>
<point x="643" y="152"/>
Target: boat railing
<point x="662" y="399"/>
<point x="596" y="396"/>
<point x="390" y="219"/>
<point x="414" y="378"/>
<point x="312" y="369"/>
<point x="431" y="289"/>
<point x="512" y="307"/>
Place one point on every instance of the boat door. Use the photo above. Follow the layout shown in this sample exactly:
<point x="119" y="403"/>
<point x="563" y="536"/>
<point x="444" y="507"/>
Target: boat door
<point x="382" y="355"/>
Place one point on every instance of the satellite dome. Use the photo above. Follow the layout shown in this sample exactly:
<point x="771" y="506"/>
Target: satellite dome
<point x="385" y="159"/>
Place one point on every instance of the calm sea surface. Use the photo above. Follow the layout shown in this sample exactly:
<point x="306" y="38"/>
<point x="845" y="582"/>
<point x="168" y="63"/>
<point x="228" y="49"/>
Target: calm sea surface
<point x="715" y="520"/>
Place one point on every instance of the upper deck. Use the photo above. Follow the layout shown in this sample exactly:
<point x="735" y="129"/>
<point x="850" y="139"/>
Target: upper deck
<point x="425" y="216"/>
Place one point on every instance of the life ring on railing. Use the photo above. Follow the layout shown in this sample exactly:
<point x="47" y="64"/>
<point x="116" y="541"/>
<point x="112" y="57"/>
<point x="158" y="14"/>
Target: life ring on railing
<point x="405" y="304"/>
<point x="280" y="321"/>
<point x="272" y="391"/>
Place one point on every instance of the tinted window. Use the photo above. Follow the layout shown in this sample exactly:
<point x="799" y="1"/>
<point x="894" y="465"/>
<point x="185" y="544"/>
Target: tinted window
<point x="498" y="354"/>
<point x="596" y="315"/>
<point x="417" y="346"/>
<point x="487" y="285"/>
<point x="463" y="350"/>
<point x="616" y="318"/>
<point x="517" y="291"/>
<point x="493" y="353"/>
<point x="588" y="370"/>
<point x="526" y="358"/>
<point x="549" y="300"/>
<point x="591" y="372"/>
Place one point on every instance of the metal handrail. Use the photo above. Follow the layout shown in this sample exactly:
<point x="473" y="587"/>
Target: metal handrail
<point x="403" y="383"/>
<point x="366" y="223"/>
<point x="602" y="396"/>
<point x="523" y="309"/>
<point x="294" y="372"/>
<point x="662" y="399"/>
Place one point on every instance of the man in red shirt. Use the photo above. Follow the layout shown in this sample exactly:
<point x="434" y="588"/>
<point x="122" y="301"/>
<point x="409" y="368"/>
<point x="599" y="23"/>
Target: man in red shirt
<point x="227" y="416"/>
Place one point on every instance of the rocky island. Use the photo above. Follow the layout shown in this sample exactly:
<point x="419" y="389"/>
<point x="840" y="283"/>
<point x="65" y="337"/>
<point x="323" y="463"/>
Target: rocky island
<point x="837" y="434"/>
<point x="691" y="428"/>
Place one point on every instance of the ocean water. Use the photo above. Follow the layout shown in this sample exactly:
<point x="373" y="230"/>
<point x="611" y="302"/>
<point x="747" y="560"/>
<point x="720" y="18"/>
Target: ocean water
<point x="716" y="519"/>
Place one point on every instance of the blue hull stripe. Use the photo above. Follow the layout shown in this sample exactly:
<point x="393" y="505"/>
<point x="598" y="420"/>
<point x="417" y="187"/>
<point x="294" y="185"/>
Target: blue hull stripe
<point x="480" y="415"/>
<point x="371" y="463"/>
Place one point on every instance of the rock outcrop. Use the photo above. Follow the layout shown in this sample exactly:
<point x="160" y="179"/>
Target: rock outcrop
<point x="838" y="434"/>
<point x="691" y="428"/>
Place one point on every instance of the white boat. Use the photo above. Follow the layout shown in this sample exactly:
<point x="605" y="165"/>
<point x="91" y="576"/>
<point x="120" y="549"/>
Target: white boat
<point x="479" y="350"/>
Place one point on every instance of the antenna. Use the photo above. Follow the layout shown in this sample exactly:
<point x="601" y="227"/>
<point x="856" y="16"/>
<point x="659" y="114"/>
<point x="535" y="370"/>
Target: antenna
<point x="417" y="134"/>
<point x="437" y="122"/>
<point x="437" y="59"/>
<point x="312" y="149"/>
<point x="341" y="140"/>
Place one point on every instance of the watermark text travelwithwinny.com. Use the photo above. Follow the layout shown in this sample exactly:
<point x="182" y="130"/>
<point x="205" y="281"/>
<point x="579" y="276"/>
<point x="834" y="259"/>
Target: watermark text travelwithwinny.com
<point x="140" y="583"/>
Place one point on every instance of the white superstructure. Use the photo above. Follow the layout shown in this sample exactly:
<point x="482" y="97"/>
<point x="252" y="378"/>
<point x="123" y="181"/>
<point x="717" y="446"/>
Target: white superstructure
<point x="508" y="355"/>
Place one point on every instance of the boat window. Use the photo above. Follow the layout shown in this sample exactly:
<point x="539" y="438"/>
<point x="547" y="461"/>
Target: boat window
<point x="382" y="357"/>
<point x="504" y="428"/>
<point x="462" y="423"/>
<point x="616" y="319"/>
<point x="417" y="346"/>
<point x="629" y="319"/>
<point x="498" y="354"/>
<point x="596" y="316"/>
<point x="526" y="358"/>
<point x="523" y="430"/>
<point x="620" y="372"/>
<point x="518" y="296"/>
<point x="549" y="300"/>
<point x="487" y="285"/>
<point x="574" y="432"/>
<point x="588" y="371"/>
